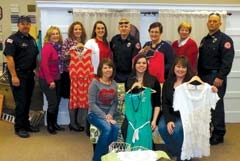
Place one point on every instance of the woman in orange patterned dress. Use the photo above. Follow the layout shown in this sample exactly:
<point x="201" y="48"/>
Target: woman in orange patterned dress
<point x="70" y="50"/>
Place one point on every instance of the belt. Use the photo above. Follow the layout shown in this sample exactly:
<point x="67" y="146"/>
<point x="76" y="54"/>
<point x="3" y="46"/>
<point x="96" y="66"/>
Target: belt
<point x="206" y="72"/>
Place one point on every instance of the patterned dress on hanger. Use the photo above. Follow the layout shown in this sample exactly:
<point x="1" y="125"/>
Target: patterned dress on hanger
<point x="139" y="112"/>
<point x="81" y="73"/>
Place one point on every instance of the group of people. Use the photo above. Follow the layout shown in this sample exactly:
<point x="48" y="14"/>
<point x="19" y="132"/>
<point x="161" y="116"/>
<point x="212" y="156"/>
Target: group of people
<point x="87" y="72"/>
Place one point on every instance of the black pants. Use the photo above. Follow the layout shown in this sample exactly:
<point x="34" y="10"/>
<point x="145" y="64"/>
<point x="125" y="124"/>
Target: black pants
<point x="22" y="96"/>
<point x="52" y="95"/>
<point x="218" y="115"/>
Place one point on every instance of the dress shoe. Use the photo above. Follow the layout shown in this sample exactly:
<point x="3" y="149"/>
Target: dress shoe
<point x="214" y="140"/>
<point x="77" y="129"/>
<point x="32" y="129"/>
<point x="57" y="127"/>
<point x="51" y="129"/>
<point x="22" y="133"/>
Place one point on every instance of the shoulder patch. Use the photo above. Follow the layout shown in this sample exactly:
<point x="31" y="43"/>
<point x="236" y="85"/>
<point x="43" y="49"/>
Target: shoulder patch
<point x="138" y="46"/>
<point x="9" y="41"/>
<point x="227" y="45"/>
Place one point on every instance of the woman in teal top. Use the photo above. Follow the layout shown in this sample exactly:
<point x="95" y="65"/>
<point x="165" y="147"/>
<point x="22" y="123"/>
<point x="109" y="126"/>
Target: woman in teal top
<point x="148" y="110"/>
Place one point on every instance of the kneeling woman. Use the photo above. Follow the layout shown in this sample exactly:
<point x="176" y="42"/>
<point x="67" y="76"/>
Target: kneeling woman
<point x="170" y="124"/>
<point x="103" y="103"/>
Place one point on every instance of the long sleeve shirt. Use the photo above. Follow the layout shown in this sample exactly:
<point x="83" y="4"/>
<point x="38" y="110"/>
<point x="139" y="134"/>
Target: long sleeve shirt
<point x="216" y="52"/>
<point x="187" y="48"/>
<point x="102" y="98"/>
<point x="49" y="64"/>
<point x="167" y="102"/>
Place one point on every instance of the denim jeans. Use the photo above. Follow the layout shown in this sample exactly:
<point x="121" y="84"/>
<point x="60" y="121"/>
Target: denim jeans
<point x="109" y="133"/>
<point x="173" y="142"/>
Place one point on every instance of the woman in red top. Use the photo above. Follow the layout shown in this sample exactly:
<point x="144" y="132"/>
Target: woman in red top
<point x="98" y="44"/>
<point x="186" y="45"/>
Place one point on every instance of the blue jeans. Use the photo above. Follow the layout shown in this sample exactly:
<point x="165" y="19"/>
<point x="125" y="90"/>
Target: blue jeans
<point x="173" y="142"/>
<point x="109" y="133"/>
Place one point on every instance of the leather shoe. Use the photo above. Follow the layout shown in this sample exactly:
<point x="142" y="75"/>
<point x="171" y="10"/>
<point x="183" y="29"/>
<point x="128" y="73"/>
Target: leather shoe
<point x="77" y="129"/>
<point x="22" y="133"/>
<point x="216" y="140"/>
<point x="32" y="129"/>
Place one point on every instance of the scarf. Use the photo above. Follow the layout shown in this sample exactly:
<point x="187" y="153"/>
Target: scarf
<point x="58" y="48"/>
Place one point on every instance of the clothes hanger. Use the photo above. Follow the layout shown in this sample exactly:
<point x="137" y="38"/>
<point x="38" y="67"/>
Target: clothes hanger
<point x="148" y="48"/>
<point x="137" y="85"/>
<point x="195" y="78"/>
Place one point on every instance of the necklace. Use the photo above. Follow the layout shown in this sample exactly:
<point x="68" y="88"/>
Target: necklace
<point x="107" y="82"/>
<point x="138" y="99"/>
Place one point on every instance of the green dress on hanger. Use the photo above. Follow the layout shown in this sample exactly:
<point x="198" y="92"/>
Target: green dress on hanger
<point x="138" y="110"/>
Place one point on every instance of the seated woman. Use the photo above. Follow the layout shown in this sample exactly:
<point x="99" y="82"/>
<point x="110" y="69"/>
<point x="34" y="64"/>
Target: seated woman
<point x="103" y="103"/>
<point x="194" y="99"/>
<point x="141" y="114"/>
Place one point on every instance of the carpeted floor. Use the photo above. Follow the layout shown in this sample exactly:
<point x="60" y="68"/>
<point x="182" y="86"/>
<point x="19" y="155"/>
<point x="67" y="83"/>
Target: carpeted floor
<point x="72" y="146"/>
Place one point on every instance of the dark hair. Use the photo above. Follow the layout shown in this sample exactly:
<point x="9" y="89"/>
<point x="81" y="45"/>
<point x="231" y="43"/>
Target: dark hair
<point x="135" y="60"/>
<point x="156" y="24"/>
<point x="183" y="60"/>
<point x="71" y="28"/>
<point x="105" y="34"/>
<point x="108" y="62"/>
<point x="148" y="79"/>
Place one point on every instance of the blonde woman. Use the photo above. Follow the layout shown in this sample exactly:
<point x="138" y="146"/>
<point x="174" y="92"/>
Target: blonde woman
<point x="185" y="45"/>
<point x="49" y="75"/>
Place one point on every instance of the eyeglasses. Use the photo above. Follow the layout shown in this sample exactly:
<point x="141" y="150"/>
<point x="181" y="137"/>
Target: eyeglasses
<point x="125" y="23"/>
<point x="213" y="13"/>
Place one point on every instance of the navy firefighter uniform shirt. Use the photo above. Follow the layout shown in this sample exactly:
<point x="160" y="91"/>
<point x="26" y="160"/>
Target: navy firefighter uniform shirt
<point x="24" y="51"/>
<point x="123" y="52"/>
<point x="216" y="53"/>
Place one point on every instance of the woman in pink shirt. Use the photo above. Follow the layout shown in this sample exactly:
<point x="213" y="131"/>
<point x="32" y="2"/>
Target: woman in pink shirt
<point x="49" y="75"/>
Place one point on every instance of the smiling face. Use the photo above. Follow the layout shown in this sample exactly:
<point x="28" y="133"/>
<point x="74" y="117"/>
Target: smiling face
<point x="180" y="70"/>
<point x="141" y="65"/>
<point x="107" y="71"/>
<point x="55" y="36"/>
<point x="155" y="34"/>
<point x="100" y="31"/>
<point x="184" y="33"/>
<point x="77" y="31"/>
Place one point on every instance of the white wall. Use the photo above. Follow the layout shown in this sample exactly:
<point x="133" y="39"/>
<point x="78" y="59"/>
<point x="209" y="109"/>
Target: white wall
<point x="56" y="14"/>
<point x="232" y="98"/>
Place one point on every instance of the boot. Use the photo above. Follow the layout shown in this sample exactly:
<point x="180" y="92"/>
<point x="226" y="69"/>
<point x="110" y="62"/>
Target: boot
<point x="81" y="118"/>
<point x="50" y="127"/>
<point x="55" y="125"/>
<point x="73" y="126"/>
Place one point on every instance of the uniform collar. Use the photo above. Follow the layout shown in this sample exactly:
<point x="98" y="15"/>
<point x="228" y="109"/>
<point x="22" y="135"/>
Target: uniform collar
<point x="215" y="34"/>
<point x="22" y="35"/>
<point x="127" y="39"/>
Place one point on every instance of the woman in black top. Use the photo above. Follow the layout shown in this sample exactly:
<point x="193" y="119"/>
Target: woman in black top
<point x="140" y="77"/>
<point x="170" y="125"/>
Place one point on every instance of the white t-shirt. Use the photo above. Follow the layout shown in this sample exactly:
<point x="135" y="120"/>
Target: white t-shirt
<point x="194" y="102"/>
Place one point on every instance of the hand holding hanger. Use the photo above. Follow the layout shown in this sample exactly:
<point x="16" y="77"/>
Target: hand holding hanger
<point x="139" y="85"/>
<point x="145" y="50"/>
